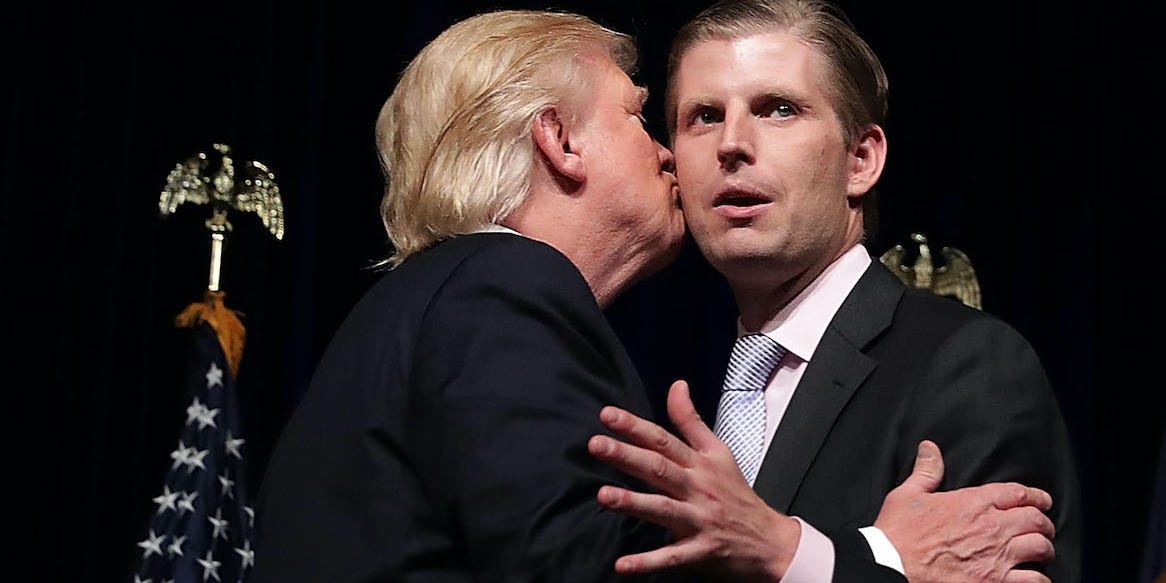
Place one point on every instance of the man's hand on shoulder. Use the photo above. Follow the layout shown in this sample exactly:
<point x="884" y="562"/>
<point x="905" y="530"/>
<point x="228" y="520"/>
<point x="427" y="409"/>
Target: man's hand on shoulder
<point x="976" y="534"/>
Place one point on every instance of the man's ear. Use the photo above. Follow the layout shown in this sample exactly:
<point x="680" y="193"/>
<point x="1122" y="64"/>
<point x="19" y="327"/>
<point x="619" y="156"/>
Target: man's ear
<point x="553" y="138"/>
<point x="867" y="158"/>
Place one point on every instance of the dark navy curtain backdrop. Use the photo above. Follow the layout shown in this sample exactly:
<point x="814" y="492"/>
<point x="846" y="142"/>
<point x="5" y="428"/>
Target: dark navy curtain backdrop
<point x="1021" y="134"/>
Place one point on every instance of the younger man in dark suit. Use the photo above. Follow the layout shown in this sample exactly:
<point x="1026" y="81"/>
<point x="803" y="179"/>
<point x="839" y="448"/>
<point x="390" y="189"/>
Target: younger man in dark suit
<point x="776" y="110"/>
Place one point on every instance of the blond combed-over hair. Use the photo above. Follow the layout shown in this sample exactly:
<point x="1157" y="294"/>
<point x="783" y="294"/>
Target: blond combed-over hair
<point x="454" y="138"/>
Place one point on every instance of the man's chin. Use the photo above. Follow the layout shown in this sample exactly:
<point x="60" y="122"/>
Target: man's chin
<point x="739" y="261"/>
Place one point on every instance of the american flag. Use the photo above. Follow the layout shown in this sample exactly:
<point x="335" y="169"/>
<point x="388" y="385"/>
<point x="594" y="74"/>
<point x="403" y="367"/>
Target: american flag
<point x="201" y="526"/>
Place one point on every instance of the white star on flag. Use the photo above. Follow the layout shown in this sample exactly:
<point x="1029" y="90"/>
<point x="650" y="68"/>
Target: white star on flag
<point x="152" y="545"/>
<point x="195" y="460"/>
<point x="175" y="548"/>
<point x="165" y="501"/>
<point x="194" y="410"/>
<point x="247" y="554"/>
<point x="207" y="418"/>
<point x="214" y="376"/>
<point x="219" y="523"/>
<point x="180" y="455"/>
<point x="187" y="503"/>
<point x="227" y="483"/>
<point x="210" y="566"/>
<point x="232" y="445"/>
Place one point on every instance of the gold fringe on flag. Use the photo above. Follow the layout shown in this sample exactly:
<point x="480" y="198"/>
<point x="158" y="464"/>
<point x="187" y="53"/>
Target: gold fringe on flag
<point x="225" y="322"/>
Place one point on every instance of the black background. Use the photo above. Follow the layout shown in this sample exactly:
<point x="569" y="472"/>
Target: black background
<point x="1022" y="134"/>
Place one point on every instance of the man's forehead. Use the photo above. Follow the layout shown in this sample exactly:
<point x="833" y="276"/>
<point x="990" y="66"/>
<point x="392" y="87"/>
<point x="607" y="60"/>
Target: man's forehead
<point x="791" y="68"/>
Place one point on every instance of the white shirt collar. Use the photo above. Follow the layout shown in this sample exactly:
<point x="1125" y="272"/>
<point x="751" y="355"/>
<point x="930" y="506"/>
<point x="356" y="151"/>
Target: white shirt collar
<point x="493" y="228"/>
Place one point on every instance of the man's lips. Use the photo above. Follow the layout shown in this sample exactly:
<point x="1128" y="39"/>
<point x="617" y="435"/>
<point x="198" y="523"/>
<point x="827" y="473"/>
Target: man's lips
<point x="740" y="204"/>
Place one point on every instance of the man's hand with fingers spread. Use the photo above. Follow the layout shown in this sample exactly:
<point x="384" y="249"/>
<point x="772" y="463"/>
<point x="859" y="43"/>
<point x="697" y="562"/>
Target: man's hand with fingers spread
<point x="972" y="534"/>
<point x="719" y="524"/>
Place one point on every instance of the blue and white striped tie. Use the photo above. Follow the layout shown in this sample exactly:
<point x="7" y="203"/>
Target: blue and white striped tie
<point x="741" y="413"/>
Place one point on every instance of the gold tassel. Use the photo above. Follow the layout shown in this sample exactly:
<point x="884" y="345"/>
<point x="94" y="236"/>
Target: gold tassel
<point x="225" y="322"/>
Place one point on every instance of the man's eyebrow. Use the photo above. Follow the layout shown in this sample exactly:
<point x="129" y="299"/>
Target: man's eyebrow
<point x="692" y="102"/>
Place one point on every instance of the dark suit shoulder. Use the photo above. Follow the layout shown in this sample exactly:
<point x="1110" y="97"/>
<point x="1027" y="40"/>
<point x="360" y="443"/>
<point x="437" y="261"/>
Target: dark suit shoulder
<point x="518" y="262"/>
<point x="476" y="265"/>
<point x="940" y="316"/>
<point x="890" y="319"/>
<point x="956" y="348"/>
<point x="535" y="301"/>
<point x="516" y="281"/>
<point x="496" y="254"/>
<point x="925" y="304"/>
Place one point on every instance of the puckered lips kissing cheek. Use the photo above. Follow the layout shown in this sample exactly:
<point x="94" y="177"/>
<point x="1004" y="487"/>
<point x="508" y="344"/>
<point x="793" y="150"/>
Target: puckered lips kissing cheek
<point x="740" y="203"/>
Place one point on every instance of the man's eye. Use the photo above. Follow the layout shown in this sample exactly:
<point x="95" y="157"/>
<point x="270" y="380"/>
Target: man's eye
<point x="707" y="116"/>
<point x="783" y="110"/>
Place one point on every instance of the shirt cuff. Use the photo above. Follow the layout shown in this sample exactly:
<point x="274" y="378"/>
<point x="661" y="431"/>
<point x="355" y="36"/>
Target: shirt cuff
<point x="813" y="560"/>
<point x="884" y="552"/>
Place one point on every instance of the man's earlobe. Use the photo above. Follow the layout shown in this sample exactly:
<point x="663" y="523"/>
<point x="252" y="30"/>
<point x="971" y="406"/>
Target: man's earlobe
<point x="868" y="158"/>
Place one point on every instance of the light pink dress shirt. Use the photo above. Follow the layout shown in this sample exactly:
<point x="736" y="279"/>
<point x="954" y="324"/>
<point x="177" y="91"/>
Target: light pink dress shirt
<point x="799" y="327"/>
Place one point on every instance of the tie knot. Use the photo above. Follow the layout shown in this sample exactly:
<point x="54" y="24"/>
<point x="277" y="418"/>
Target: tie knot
<point x="752" y="362"/>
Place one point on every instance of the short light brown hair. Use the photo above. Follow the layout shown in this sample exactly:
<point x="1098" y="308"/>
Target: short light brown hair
<point x="454" y="138"/>
<point x="856" y="84"/>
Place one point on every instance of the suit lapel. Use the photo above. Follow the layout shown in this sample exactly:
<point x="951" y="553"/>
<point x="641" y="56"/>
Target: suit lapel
<point x="837" y="369"/>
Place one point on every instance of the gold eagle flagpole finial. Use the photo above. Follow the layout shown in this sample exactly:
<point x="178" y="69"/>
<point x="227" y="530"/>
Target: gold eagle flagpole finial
<point x="200" y="180"/>
<point x="215" y="180"/>
<point x="954" y="278"/>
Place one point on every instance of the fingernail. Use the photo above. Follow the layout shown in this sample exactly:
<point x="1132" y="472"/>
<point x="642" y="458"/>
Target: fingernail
<point x="607" y="496"/>
<point x="608" y="415"/>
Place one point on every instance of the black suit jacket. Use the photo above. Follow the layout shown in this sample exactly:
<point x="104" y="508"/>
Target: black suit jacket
<point x="894" y="367"/>
<point x="443" y="436"/>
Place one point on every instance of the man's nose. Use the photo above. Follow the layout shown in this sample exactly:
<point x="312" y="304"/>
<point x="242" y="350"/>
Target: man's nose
<point x="736" y="143"/>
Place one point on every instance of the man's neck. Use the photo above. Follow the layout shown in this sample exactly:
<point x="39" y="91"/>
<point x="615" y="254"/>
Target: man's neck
<point x="605" y="274"/>
<point x="760" y="300"/>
